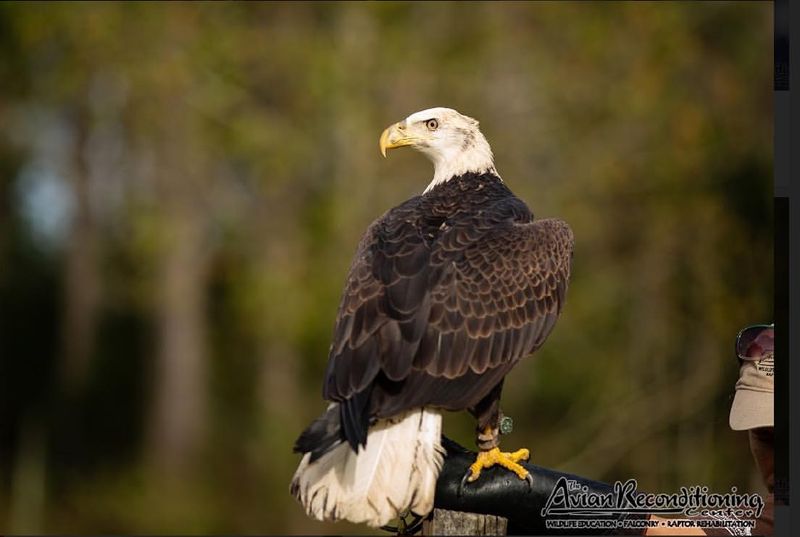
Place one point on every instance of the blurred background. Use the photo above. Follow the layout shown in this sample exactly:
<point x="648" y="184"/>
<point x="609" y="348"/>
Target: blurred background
<point x="182" y="187"/>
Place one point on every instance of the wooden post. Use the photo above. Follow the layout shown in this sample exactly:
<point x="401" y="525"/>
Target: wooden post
<point x="444" y="522"/>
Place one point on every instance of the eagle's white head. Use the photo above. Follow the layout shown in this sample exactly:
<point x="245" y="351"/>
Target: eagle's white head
<point x="451" y="140"/>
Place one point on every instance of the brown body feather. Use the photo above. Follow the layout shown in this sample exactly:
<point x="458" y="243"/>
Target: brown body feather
<point x="444" y="296"/>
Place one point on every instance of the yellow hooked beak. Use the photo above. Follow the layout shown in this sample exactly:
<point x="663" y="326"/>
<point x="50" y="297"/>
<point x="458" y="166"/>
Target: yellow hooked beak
<point x="395" y="136"/>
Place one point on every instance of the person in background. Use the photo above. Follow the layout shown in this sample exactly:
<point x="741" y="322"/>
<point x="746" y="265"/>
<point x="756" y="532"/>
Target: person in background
<point x="753" y="411"/>
<point x="753" y="407"/>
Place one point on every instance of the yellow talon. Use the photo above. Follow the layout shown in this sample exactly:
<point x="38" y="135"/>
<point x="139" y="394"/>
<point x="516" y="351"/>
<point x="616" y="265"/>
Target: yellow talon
<point x="487" y="459"/>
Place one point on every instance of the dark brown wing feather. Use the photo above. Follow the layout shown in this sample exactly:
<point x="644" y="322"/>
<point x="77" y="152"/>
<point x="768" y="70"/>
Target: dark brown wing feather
<point x="446" y="293"/>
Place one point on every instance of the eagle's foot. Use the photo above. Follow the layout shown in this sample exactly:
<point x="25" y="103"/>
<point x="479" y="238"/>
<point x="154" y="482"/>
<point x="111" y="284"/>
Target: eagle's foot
<point x="494" y="456"/>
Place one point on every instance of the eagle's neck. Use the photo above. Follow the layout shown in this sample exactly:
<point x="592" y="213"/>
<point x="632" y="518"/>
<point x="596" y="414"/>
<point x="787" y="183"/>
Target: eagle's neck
<point x="472" y="156"/>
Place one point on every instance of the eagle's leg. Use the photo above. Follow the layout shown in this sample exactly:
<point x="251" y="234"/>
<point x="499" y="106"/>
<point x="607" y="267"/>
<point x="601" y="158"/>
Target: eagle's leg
<point x="488" y="439"/>
<point x="491" y="456"/>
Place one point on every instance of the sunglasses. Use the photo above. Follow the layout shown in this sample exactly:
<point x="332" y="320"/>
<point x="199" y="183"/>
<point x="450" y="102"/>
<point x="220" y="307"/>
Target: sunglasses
<point x="756" y="342"/>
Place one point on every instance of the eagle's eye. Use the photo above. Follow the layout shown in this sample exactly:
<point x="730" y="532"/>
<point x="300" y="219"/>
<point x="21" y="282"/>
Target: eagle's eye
<point x="432" y="124"/>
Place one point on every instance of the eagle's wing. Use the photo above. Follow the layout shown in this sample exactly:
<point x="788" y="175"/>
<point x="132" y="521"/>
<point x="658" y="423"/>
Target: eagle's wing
<point x="478" y="297"/>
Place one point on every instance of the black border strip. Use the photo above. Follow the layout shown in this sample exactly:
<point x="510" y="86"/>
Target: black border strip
<point x="786" y="251"/>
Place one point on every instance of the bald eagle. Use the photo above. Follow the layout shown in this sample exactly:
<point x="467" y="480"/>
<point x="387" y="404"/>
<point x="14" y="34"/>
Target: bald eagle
<point x="446" y="293"/>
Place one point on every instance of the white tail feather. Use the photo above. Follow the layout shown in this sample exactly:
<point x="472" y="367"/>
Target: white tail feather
<point x="396" y="471"/>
